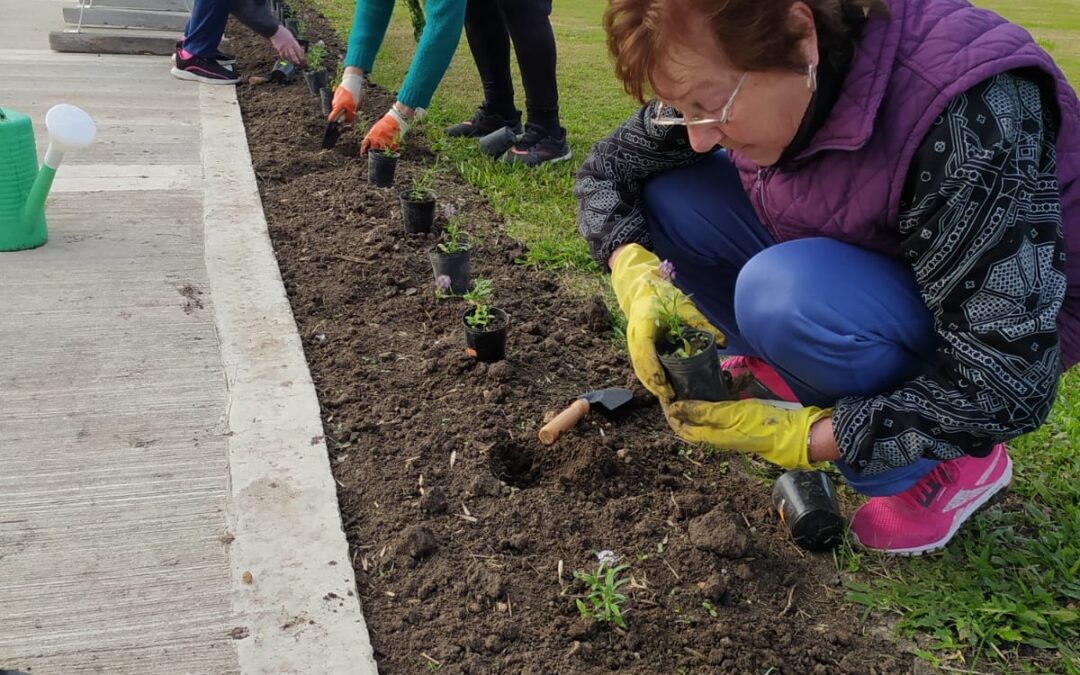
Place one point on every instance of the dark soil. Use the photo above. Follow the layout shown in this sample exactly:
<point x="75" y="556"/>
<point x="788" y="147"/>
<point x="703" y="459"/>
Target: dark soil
<point x="465" y="531"/>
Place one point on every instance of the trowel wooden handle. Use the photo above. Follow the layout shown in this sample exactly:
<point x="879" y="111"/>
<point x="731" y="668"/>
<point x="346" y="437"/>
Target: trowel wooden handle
<point x="551" y="431"/>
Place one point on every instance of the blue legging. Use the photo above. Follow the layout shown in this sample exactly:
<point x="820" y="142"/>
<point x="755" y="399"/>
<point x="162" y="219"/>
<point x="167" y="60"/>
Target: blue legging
<point x="206" y="25"/>
<point x="834" y="320"/>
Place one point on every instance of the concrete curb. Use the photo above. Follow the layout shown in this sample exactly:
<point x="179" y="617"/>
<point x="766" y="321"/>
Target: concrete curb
<point x="300" y="612"/>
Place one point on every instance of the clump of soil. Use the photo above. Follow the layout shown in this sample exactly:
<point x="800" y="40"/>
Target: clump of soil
<point x="458" y="519"/>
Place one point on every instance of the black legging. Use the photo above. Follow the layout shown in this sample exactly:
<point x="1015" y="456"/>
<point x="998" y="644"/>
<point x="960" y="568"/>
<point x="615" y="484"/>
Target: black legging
<point x="490" y="25"/>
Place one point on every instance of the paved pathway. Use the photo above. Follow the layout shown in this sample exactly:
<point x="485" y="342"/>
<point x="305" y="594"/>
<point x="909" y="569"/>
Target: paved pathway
<point x="159" y="432"/>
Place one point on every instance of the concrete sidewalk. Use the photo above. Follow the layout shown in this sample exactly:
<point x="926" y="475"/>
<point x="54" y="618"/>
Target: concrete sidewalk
<point x="159" y="432"/>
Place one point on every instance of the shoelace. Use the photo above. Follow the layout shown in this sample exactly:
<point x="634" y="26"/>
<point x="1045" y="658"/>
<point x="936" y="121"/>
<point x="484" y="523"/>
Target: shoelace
<point x="919" y="495"/>
<point x="532" y="136"/>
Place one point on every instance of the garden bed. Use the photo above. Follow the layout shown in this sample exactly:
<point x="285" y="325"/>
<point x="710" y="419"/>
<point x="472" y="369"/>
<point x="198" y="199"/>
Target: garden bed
<point x="464" y="530"/>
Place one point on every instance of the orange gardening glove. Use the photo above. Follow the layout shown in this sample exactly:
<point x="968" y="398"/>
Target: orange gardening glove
<point x="386" y="134"/>
<point x="348" y="96"/>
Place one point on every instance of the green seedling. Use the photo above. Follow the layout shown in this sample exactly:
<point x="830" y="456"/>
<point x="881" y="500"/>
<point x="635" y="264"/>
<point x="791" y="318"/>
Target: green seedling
<point x="315" y="55"/>
<point x="454" y="238"/>
<point x="421" y="186"/>
<point x="480" y="296"/>
<point x="670" y="322"/>
<point x="604" y="601"/>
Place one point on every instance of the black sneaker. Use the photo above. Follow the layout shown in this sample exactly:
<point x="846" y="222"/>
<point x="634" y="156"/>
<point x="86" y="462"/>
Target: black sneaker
<point x="200" y="69"/>
<point x="483" y="123"/>
<point x="219" y="56"/>
<point x="539" y="146"/>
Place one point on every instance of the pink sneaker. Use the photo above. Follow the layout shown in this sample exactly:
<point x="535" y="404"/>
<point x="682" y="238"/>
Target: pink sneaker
<point x="753" y="378"/>
<point x="927" y="515"/>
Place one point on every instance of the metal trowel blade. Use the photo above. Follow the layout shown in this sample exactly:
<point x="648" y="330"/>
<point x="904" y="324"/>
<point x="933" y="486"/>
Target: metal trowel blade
<point x="331" y="135"/>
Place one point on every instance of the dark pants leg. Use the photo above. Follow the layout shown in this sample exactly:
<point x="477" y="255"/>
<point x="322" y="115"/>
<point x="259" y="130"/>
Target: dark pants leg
<point x="834" y="320"/>
<point x="205" y="26"/>
<point x="529" y="22"/>
<point x="489" y="42"/>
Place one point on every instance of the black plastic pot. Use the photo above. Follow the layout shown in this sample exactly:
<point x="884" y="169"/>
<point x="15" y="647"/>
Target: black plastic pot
<point x="806" y="501"/>
<point x="498" y="141"/>
<point x="283" y="72"/>
<point x="316" y="80"/>
<point x="488" y="344"/>
<point x="453" y="265"/>
<point x="698" y="378"/>
<point x="326" y="100"/>
<point x="381" y="166"/>
<point x="292" y="25"/>
<point x="419" y="213"/>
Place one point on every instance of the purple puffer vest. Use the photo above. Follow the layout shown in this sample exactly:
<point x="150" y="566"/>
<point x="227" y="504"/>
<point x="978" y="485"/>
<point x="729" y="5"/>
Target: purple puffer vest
<point x="846" y="185"/>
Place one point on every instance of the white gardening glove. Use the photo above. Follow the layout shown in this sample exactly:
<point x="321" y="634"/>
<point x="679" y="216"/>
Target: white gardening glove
<point x="286" y="45"/>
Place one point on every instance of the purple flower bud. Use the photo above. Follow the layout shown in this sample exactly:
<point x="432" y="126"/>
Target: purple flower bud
<point x="667" y="270"/>
<point x="442" y="282"/>
<point x="449" y="211"/>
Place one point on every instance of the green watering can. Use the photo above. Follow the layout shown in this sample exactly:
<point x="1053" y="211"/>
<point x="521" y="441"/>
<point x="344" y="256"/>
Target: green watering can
<point x="23" y="187"/>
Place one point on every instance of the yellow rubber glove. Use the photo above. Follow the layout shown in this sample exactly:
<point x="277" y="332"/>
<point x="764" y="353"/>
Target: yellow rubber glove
<point x="778" y="435"/>
<point x="636" y="280"/>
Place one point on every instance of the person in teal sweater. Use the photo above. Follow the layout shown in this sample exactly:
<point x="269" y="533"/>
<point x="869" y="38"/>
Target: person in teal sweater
<point x="442" y="31"/>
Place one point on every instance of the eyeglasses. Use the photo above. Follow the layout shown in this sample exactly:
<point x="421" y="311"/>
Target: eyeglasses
<point x="725" y="112"/>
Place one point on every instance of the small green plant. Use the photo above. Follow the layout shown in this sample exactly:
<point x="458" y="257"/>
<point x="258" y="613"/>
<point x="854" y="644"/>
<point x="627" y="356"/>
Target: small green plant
<point x="604" y="601"/>
<point x="454" y="238"/>
<point x="315" y="55"/>
<point x="669" y="320"/>
<point x="480" y="296"/>
<point x="421" y="185"/>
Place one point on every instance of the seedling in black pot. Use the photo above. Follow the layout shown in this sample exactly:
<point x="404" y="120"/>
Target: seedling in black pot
<point x="688" y="355"/>
<point x="485" y="324"/>
<point x="381" y="167"/>
<point x="450" y="257"/>
<point x="314" y="73"/>
<point x="418" y="204"/>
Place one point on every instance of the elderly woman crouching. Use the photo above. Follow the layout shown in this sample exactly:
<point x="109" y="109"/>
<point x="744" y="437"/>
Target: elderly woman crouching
<point x="876" y="208"/>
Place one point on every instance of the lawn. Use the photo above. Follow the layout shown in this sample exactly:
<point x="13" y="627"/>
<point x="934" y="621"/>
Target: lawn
<point x="1005" y="595"/>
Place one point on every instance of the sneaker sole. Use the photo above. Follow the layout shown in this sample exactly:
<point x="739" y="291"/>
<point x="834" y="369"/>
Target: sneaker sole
<point x="998" y="489"/>
<point x="221" y="62"/>
<point x="195" y="77"/>
<point x="553" y="160"/>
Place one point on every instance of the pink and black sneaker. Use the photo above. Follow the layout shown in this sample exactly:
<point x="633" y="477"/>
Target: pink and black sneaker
<point x="196" y="68"/>
<point x="926" y="516"/>
<point x="753" y="378"/>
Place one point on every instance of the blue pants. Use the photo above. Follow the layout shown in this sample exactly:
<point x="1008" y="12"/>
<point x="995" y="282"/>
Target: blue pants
<point x="834" y="320"/>
<point x="205" y="26"/>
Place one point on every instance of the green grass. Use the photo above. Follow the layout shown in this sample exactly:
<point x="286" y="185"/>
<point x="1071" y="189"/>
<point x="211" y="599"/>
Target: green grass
<point x="1005" y="595"/>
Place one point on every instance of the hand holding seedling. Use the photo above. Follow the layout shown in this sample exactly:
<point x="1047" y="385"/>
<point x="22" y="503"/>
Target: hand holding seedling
<point x="348" y="96"/>
<point x="651" y="303"/>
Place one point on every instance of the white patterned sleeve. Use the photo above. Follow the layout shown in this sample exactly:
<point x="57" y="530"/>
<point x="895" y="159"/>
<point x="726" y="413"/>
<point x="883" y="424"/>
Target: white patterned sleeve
<point x="981" y="217"/>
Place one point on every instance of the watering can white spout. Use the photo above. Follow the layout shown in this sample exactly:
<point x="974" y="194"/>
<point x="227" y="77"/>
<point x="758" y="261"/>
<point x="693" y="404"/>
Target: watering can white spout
<point x="70" y="128"/>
